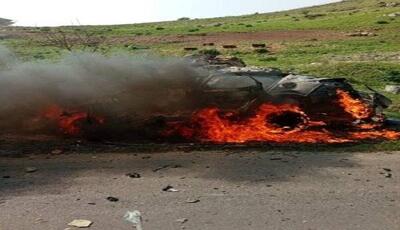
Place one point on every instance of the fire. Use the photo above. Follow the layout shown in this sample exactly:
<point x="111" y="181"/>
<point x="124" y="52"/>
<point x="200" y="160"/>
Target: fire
<point x="213" y="125"/>
<point x="354" y="107"/>
<point x="69" y="122"/>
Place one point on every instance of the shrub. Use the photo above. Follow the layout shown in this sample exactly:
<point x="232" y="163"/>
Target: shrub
<point x="211" y="52"/>
<point x="381" y="22"/>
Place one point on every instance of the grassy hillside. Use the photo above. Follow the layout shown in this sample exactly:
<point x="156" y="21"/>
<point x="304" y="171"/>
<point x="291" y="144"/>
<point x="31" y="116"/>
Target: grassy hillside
<point x="311" y="40"/>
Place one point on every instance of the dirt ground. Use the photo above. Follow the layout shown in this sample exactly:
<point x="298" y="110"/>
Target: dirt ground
<point x="199" y="39"/>
<point x="217" y="189"/>
<point x="233" y="37"/>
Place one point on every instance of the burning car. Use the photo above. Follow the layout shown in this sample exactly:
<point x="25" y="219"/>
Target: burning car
<point x="237" y="104"/>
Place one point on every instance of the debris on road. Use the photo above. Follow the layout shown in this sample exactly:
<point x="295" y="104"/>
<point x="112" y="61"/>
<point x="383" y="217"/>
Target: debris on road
<point x="182" y="220"/>
<point x="30" y="169"/>
<point x="57" y="151"/>
<point x="169" y="188"/>
<point x="135" y="218"/>
<point x="167" y="166"/>
<point x="192" y="201"/>
<point x="80" y="223"/>
<point x="133" y="175"/>
<point x="276" y="159"/>
<point x="112" y="199"/>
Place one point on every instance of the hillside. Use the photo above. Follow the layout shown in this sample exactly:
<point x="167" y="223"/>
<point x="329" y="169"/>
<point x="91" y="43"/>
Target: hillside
<point x="358" y="39"/>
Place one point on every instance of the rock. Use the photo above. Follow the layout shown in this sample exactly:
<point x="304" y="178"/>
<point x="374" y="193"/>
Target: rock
<point x="393" y="15"/>
<point x="182" y="220"/>
<point x="80" y="223"/>
<point x="30" y="169"/>
<point x="387" y="169"/>
<point x="112" y="199"/>
<point x="392" y="89"/>
<point x="133" y="175"/>
<point x="169" y="188"/>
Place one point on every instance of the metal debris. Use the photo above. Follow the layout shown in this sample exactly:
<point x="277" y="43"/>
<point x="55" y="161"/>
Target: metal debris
<point x="192" y="201"/>
<point x="30" y="169"/>
<point x="182" y="220"/>
<point x="79" y="223"/>
<point x="134" y="217"/>
<point x="112" y="199"/>
<point x="169" y="188"/>
<point x="133" y="175"/>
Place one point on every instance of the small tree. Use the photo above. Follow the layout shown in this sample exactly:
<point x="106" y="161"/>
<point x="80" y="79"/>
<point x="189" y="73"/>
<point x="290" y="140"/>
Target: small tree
<point x="72" y="39"/>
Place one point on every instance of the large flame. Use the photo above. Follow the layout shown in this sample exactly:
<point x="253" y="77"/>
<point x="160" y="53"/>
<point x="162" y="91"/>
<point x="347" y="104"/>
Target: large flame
<point x="355" y="107"/>
<point x="70" y="122"/>
<point x="213" y="125"/>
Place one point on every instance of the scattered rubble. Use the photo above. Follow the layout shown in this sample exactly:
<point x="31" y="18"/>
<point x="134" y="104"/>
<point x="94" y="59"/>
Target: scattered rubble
<point x="79" y="223"/>
<point x="392" y="89"/>
<point x="135" y="218"/>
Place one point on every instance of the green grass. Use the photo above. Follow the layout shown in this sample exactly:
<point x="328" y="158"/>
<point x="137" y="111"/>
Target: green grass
<point x="363" y="60"/>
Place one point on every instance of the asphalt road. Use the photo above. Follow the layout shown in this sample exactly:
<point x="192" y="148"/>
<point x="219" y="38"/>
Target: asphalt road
<point x="228" y="190"/>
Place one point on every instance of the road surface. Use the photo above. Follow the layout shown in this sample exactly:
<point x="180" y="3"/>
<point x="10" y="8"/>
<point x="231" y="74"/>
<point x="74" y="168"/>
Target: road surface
<point x="227" y="189"/>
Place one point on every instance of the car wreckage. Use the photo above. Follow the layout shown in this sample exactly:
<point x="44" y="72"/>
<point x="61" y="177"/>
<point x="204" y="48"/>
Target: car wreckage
<point x="256" y="104"/>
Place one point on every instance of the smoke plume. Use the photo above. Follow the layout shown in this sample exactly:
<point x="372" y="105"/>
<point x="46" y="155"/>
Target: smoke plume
<point x="116" y="85"/>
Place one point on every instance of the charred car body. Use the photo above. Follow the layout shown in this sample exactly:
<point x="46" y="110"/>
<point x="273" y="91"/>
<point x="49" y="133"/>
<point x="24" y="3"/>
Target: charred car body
<point x="244" y="88"/>
<point x="233" y="88"/>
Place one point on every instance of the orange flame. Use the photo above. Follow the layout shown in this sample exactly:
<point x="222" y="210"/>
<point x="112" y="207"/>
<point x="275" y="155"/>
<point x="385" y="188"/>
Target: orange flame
<point x="354" y="107"/>
<point x="69" y="122"/>
<point x="211" y="124"/>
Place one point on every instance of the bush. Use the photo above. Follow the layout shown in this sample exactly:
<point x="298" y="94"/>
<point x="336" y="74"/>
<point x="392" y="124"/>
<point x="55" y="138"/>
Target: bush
<point x="160" y="28"/>
<point x="193" y="30"/>
<point x="381" y="22"/>
<point x="211" y="52"/>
